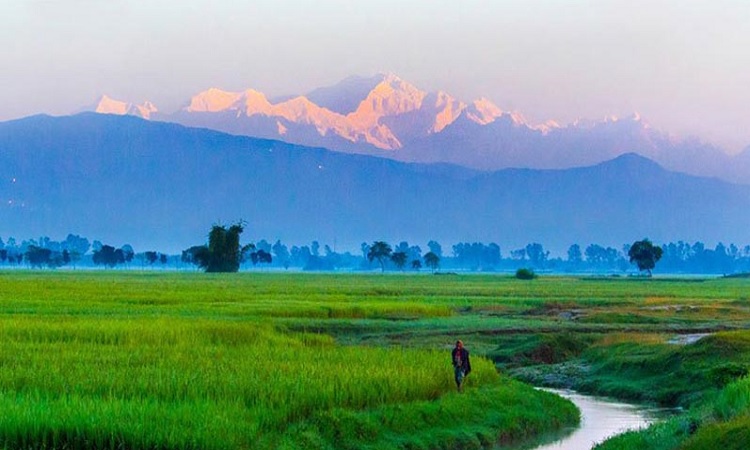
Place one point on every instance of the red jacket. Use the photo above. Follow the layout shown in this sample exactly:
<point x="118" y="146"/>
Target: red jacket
<point x="460" y="358"/>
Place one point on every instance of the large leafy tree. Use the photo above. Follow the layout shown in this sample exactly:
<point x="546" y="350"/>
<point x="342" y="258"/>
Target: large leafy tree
<point x="264" y="257"/>
<point x="574" y="254"/>
<point x="399" y="259"/>
<point x="536" y="254"/>
<point x="432" y="260"/>
<point x="258" y="256"/>
<point x="380" y="251"/>
<point x="645" y="255"/>
<point x="223" y="253"/>
<point x="76" y="245"/>
<point x="38" y="256"/>
<point x="282" y="253"/>
<point x="108" y="256"/>
<point x="151" y="257"/>
<point x="435" y="248"/>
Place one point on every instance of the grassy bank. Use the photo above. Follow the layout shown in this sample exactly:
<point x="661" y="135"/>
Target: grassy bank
<point x="721" y="421"/>
<point x="706" y="378"/>
<point x="646" y="367"/>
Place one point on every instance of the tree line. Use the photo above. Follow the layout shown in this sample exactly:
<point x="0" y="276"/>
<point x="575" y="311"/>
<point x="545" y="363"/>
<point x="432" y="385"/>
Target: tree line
<point x="77" y="251"/>
<point x="73" y="251"/>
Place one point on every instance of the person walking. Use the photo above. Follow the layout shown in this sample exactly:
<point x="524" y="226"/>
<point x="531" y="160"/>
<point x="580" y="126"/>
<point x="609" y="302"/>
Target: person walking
<point x="461" y="364"/>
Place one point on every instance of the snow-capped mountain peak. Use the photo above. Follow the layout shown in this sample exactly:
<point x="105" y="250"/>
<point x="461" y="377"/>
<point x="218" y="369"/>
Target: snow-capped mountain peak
<point x="483" y="111"/>
<point x="212" y="100"/>
<point x="254" y="102"/>
<point x="547" y="126"/>
<point x="385" y="112"/>
<point x="389" y="110"/>
<point x="391" y="97"/>
<point x="108" y="105"/>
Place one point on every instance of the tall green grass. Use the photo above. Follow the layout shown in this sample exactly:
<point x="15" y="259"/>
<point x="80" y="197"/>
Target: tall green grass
<point x="119" y="381"/>
<point x="130" y="361"/>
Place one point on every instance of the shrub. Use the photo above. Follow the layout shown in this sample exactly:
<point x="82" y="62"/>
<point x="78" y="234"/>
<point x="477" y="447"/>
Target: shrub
<point x="525" y="274"/>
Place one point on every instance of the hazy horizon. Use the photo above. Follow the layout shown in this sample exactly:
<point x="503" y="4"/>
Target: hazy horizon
<point x="680" y="64"/>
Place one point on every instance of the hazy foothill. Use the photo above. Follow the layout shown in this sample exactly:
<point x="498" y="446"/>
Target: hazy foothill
<point x="248" y="272"/>
<point x="299" y="194"/>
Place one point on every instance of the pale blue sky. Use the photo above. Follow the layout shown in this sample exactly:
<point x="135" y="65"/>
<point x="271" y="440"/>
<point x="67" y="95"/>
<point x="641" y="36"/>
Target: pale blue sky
<point x="684" y="65"/>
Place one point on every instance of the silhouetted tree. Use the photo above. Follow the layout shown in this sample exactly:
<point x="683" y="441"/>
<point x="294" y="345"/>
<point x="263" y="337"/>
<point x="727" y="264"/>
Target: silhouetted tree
<point x="248" y="253"/>
<point x="536" y="254"/>
<point x="107" y="256"/>
<point x="432" y="260"/>
<point x="399" y="259"/>
<point x="189" y="256"/>
<point x="645" y="255"/>
<point x="151" y="257"/>
<point x="491" y="254"/>
<point x="476" y="256"/>
<point x="601" y="257"/>
<point x="519" y="255"/>
<point x="435" y="248"/>
<point x="300" y="255"/>
<point x="223" y="253"/>
<point x="365" y="247"/>
<point x="38" y="257"/>
<point x="76" y="244"/>
<point x="574" y="254"/>
<point x="263" y="245"/>
<point x="416" y="264"/>
<point x="331" y="258"/>
<point x="381" y="251"/>
<point x="263" y="257"/>
<point x="412" y="251"/>
<point x="282" y="254"/>
<point x="127" y="253"/>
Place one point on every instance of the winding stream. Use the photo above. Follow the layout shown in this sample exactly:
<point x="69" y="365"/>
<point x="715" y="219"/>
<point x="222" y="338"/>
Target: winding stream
<point x="600" y="419"/>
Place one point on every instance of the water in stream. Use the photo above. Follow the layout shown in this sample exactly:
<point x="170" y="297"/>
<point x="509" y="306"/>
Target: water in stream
<point x="600" y="419"/>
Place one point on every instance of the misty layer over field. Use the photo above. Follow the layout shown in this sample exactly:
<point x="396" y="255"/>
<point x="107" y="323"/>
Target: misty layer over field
<point x="161" y="185"/>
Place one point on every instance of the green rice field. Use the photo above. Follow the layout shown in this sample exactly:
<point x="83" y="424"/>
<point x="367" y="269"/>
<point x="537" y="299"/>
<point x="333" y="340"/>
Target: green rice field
<point x="176" y="361"/>
<point x="143" y="360"/>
